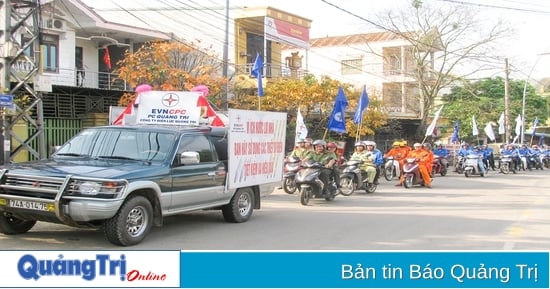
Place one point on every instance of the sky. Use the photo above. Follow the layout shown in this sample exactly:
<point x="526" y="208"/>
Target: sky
<point x="525" y="50"/>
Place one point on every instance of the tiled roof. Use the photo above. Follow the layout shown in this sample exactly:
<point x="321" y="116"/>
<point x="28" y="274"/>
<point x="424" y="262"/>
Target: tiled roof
<point x="353" y="39"/>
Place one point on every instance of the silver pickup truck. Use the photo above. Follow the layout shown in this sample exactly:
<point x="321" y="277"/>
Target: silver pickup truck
<point x="125" y="179"/>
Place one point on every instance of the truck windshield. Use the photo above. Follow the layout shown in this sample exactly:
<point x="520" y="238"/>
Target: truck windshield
<point x="119" y="144"/>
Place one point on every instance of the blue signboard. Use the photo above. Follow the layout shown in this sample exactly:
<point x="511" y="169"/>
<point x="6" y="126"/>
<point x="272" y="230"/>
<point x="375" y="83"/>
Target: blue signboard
<point x="6" y="100"/>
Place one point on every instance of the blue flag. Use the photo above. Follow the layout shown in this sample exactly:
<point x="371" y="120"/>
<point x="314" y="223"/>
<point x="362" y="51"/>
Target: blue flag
<point x="535" y="124"/>
<point x="454" y="137"/>
<point x="257" y="70"/>
<point x="337" y="121"/>
<point x="363" y="103"/>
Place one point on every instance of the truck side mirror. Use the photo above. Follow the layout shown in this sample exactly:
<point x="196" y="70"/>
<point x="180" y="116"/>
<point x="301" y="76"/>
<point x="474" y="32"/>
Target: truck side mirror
<point x="189" y="158"/>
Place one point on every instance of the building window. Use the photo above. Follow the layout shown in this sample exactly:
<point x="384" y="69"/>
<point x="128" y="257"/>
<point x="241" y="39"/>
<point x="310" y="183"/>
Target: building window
<point x="49" y="50"/>
<point x="352" y="66"/>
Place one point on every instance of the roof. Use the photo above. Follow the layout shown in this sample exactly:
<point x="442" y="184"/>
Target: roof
<point x="354" y="39"/>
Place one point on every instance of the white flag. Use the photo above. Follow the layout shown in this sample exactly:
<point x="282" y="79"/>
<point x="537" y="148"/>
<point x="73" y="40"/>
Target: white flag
<point x="518" y="125"/>
<point x="301" y="129"/>
<point x="489" y="131"/>
<point x="501" y="128"/>
<point x="474" y="126"/>
<point x="431" y="127"/>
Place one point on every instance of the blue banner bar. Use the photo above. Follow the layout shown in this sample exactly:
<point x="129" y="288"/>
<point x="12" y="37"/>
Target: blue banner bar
<point x="342" y="269"/>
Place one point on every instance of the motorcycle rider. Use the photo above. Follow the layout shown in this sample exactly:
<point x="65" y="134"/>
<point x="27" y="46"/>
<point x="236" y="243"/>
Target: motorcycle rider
<point x="443" y="153"/>
<point x="538" y="154"/>
<point x="428" y="148"/>
<point x="477" y="152"/>
<point x="399" y="152"/>
<point x="464" y="149"/>
<point x="320" y="155"/>
<point x="424" y="162"/>
<point x="523" y="154"/>
<point x="299" y="150"/>
<point x="331" y="149"/>
<point x="367" y="159"/>
<point x="378" y="158"/>
<point x="488" y="156"/>
<point x="514" y="153"/>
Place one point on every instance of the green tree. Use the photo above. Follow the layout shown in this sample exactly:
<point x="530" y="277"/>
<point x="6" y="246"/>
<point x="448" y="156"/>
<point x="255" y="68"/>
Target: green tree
<point x="484" y="99"/>
<point x="444" y="40"/>
<point x="172" y="66"/>
<point x="315" y="98"/>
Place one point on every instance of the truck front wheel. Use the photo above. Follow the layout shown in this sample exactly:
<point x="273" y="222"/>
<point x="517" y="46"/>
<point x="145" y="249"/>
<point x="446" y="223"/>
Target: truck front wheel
<point x="241" y="206"/>
<point x="10" y="225"/>
<point x="132" y="222"/>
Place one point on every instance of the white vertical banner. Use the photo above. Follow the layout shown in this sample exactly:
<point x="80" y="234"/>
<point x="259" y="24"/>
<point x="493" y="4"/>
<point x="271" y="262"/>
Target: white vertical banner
<point x="301" y="128"/>
<point x="431" y="127"/>
<point x="501" y="128"/>
<point x="256" y="147"/>
<point x="475" y="132"/>
<point x="489" y="131"/>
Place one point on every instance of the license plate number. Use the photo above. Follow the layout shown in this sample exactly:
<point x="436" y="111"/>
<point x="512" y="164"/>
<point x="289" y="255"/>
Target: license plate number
<point x="28" y="205"/>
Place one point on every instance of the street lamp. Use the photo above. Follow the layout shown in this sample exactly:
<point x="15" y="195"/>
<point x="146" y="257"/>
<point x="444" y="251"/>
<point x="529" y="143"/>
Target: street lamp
<point x="522" y="134"/>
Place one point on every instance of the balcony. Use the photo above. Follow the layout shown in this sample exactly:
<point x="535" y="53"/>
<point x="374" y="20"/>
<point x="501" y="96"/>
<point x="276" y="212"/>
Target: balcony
<point x="272" y="71"/>
<point x="74" y="77"/>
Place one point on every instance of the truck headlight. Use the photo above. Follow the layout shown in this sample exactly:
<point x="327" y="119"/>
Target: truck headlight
<point x="96" y="188"/>
<point x="89" y="188"/>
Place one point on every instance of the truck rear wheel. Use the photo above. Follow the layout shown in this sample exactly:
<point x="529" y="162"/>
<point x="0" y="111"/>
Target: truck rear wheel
<point x="132" y="222"/>
<point x="11" y="226"/>
<point x="241" y="206"/>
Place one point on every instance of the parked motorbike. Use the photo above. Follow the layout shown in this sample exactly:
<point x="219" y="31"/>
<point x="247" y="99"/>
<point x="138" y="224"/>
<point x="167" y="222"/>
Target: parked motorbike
<point x="352" y="179"/>
<point x="411" y="173"/>
<point x="506" y="164"/>
<point x="391" y="169"/>
<point x="438" y="167"/>
<point x="309" y="184"/>
<point x="471" y="166"/>
<point x="291" y="167"/>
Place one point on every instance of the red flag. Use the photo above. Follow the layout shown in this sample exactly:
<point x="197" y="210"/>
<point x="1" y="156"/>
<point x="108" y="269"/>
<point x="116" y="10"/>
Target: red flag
<point x="107" y="58"/>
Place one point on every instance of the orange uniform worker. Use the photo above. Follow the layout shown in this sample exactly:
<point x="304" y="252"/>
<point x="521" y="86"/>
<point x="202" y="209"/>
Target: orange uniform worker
<point x="428" y="147"/>
<point x="424" y="162"/>
<point x="399" y="152"/>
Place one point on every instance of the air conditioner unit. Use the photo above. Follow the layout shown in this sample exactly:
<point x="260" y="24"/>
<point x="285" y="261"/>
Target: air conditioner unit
<point x="54" y="24"/>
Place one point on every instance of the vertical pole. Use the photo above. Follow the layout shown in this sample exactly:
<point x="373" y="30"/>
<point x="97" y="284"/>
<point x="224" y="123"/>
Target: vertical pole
<point x="226" y="55"/>
<point x="507" y="124"/>
<point x="5" y="35"/>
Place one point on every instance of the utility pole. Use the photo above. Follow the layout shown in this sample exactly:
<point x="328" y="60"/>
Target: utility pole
<point x="21" y="17"/>
<point x="507" y="124"/>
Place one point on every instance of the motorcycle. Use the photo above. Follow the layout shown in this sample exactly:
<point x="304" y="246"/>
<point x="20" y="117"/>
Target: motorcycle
<point x="352" y="179"/>
<point x="534" y="161"/>
<point x="411" y="173"/>
<point x="506" y="164"/>
<point x="310" y="185"/>
<point x="438" y="167"/>
<point x="546" y="161"/>
<point x="459" y="166"/>
<point x="391" y="169"/>
<point x="471" y="166"/>
<point x="291" y="167"/>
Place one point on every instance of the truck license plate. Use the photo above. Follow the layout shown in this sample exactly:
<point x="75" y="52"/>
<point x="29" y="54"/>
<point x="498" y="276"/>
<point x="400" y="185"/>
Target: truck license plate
<point x="28" y="205"/>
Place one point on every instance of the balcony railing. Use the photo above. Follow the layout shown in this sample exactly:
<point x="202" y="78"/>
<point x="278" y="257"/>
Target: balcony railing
<point x="272" y="71"/>
<point x="76" y="78"/>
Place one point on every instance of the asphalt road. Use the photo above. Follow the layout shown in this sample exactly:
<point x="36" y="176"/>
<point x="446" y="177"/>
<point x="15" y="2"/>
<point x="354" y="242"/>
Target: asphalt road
<point x="498" y="212"/>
